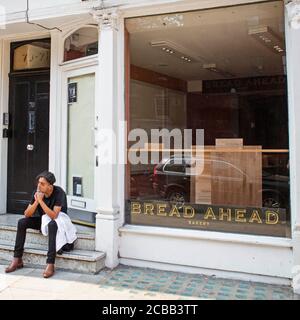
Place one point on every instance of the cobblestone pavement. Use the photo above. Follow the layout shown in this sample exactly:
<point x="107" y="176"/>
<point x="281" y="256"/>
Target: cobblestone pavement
<point x="133" y="283"/>
<point x="192" y="286"/>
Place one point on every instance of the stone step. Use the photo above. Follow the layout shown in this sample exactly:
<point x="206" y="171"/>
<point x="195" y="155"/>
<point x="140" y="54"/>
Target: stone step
<point x="34" y="237"/>
<point x="84" y="261"/>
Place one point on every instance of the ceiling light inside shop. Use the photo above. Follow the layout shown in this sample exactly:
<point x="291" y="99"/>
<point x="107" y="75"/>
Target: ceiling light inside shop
<point x="268" y="38"/>
<point x="213" y="68"/>
<point x="174" y="50"/>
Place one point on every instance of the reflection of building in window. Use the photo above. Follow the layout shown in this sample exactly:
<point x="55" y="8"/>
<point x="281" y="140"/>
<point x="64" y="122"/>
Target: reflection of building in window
<point x="82" y="43"/>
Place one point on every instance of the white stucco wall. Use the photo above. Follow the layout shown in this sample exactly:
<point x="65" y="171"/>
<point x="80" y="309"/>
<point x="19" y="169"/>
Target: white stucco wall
<point x="15" y="10"/>
<point x="21" y="5"/>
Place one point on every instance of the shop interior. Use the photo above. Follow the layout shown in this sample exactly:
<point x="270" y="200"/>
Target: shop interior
<point x="222" y="70"/>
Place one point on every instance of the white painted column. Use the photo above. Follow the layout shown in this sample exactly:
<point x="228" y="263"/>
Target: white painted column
<point x="293" y="74"/>
<point x="55" y="125"/>
<point x="3" y="141"/>
<point x="108" y="207"/>
<point x="4" y="97"/>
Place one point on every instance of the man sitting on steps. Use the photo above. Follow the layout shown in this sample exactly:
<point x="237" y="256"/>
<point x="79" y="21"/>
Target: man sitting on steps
<point x="48" y="205"/>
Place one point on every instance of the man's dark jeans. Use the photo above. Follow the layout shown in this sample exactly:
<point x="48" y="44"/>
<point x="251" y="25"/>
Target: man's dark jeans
<point x="35" y="223"/>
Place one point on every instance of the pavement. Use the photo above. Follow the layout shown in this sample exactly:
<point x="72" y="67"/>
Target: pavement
<point x="132" y="283"/>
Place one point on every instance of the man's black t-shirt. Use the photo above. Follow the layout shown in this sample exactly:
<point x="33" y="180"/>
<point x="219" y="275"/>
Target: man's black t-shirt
<point x="57" y="198"/>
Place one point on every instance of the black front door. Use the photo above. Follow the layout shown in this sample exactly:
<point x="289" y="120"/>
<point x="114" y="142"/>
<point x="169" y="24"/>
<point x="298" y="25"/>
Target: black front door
<point x="28" y="143"/>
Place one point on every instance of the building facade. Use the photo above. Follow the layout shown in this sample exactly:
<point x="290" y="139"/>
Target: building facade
<point x="87" y="87"/>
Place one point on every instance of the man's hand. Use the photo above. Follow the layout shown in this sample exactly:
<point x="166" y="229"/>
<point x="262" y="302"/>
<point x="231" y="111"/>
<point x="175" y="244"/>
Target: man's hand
<point x="39" y="196"/>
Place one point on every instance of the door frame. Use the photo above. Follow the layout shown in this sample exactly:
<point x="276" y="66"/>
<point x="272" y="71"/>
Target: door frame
<point x="70" y="71"/>
<point x="5" y="43"/>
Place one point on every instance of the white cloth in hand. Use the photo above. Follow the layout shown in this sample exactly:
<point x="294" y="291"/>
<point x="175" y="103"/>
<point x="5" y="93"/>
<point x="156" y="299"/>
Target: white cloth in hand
<point x="66" y="231"/>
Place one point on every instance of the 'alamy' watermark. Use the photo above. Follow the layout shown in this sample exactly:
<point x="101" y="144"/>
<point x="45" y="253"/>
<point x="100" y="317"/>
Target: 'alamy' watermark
<point x="151" y="146"/>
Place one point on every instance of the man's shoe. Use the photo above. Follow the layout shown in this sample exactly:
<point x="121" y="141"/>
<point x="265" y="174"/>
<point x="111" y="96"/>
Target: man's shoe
<point x="67" y="247"/>
<point x="49" y="271"/>
<point x="17" y="263"/>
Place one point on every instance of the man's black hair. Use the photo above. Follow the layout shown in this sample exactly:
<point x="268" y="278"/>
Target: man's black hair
<point x="49" y="176"/>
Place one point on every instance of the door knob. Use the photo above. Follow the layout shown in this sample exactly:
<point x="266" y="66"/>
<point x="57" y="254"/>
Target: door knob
<point x="30" y="147"/>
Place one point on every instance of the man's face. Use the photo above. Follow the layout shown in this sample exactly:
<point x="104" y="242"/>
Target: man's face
<point x="43" y="185"/>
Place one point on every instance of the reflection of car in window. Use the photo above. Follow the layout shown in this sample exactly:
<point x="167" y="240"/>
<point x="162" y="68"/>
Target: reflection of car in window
<point x="275" y="190"/>
<point x="171" y="180"/>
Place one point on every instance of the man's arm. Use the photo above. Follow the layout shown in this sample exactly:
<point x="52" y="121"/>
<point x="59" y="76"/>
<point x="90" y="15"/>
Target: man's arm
<point x="30" y="210"/>
<point x="51" y="213"/>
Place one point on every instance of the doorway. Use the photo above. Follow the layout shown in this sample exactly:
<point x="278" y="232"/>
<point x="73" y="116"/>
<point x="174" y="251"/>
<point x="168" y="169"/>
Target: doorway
<point x="28" y="130"/>
<point x="28" y="142"/>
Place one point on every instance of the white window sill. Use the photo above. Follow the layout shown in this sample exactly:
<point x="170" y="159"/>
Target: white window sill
<point x="207" y="235"/>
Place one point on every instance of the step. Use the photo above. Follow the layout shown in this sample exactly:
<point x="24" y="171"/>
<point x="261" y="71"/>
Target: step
<point x="84" y="261"/>
<point x="8" y="233"/>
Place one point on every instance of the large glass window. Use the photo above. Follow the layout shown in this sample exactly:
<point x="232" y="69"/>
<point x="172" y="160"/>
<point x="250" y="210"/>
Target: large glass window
<point x="208" y="143"/>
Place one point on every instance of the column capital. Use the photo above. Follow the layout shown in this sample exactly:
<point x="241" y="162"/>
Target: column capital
<point x="107" y="19"/>
<point x="293" y="10"/>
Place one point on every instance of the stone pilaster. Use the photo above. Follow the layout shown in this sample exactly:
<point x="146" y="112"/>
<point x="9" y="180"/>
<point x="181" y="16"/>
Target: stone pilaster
<point x="293" y="75"/>
<point x="108" y="212"/>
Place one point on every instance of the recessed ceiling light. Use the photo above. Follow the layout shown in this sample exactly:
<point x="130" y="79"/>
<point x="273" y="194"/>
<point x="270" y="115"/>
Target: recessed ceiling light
<point x="173" y="49"/>
<point x="268" y="38"/>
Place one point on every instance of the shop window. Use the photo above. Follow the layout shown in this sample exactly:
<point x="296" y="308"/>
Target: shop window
<point x="81" y="43"/>
<point x="221" y="73"/>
